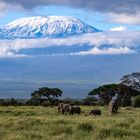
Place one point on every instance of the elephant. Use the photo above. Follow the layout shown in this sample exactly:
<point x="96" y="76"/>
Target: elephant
<point x="73" y="109"/>
<point x="62" y="108"/>
<point x="95" y="112"/>
<point x="113" y="107"/>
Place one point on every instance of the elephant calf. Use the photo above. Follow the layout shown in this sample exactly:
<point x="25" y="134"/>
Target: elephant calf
<point x="95" y="112"/>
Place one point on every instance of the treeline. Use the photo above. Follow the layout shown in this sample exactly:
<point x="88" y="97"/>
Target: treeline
<point x="89" y="101"/>
<point x="12" y="102"/>
<point x="127" y="92"/>
<point x="46" y="103"/>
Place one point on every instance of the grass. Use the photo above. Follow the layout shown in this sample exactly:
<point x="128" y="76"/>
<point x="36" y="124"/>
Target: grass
<point x="40" y="123"/>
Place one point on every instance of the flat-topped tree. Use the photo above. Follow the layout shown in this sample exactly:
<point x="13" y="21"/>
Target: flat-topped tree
<point x="132" y="81"/>
<point x="105" y="92"/>
<point x="128" y="88"/>
<point x="51" y="94"/>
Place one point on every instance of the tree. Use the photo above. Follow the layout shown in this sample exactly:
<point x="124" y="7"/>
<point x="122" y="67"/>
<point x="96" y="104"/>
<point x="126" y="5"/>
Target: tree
<point x="51" y="94"/>
<point x="105" y="92"/>
<point x="130" y="87"/>
<point x="90" y="100"/>
<point x="132" y="81"/>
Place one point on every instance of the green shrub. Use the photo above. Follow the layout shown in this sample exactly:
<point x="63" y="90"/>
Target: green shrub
<point x="126" y="101"/>
<point x="136" y="101"/>
<point x="46" y="104"/>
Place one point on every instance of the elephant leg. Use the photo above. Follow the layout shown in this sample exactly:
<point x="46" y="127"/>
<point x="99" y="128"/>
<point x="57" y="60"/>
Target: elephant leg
<point x="63" y="111"/>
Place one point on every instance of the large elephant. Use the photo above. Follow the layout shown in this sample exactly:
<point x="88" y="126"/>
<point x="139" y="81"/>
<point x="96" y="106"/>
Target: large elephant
<point x="73" y="109"/>
<point x="62" y="108"/>
<point x="113" y="106"/>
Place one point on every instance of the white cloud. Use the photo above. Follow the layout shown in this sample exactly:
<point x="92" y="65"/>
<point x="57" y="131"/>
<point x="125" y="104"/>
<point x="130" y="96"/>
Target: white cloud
<point x="103" y="43"/>
<point x="125" y="19"/>
<point x="5" y="7"/>
<point x="118" y="29"/>
<point x="110" y="51"/>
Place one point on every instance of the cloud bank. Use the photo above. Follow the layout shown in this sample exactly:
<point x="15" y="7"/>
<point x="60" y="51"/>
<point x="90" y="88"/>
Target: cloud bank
<point x="105" y="51"/>
<point x="121" y="11"/>
<point x="102" y="43"/>
<point x="7" y="7"/>
<point x="125" y="18"/>
<point x="124" y="6"/>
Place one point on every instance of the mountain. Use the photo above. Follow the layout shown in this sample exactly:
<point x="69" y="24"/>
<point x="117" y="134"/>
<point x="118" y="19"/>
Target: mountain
<point x="50" y="26"/>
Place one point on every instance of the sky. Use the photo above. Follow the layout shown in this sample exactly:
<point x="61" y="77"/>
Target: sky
<point x="119" y="21"/>
<point x="102" y="14"/>
<point x="76" y="63"/>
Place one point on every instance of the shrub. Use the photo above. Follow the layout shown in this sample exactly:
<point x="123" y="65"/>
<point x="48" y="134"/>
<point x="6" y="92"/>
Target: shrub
<point x="136" y="101"/>
<point x="46" y="104"/>
<point x="126" y="101"/>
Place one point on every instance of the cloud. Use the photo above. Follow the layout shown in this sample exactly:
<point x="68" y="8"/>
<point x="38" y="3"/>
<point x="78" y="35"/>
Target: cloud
<point x="125" y="18"/>
<point x="119" y="29"/>
<point x="107" y="51"/>
<point x="124" y="6"/>
<point x="124" y="11"/>
<point x="101" y="43"/>
<point x="7" y="7"/>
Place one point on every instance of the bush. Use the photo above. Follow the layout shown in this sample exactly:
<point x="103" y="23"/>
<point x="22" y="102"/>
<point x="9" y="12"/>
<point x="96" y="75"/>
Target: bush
<point x="136" y="101"/>
<point x="46" y="104"/>
<point x="126" y="101"/>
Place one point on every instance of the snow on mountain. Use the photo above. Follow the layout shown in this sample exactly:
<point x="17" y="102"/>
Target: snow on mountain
<point x="50" y="26"/>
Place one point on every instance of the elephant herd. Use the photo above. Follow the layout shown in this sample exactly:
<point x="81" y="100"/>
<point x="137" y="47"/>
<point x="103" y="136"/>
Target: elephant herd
<point x="64" y="108"/>
<point x="67" y="108"/>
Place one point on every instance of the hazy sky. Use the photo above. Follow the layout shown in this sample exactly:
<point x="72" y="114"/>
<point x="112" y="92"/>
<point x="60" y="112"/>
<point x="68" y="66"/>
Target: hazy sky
<point x="102" y="14"/>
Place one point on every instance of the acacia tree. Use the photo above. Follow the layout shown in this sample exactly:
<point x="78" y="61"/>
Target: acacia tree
<point x="130" y="87"/>
<point x="51" y="94"/>
<point x="132" y="81"/>
<point x="105" y="92"/>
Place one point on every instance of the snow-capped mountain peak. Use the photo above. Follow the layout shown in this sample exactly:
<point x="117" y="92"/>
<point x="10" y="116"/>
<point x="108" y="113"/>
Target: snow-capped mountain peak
<point x="50" y="26"/>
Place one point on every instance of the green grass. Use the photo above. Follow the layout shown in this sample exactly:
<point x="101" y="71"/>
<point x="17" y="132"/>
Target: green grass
<point x="40" y="123"/>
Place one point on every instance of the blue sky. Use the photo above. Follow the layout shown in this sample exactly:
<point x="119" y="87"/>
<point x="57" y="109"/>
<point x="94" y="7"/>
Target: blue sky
<point x="75" y="64"/>
<point x="96" y="19"/>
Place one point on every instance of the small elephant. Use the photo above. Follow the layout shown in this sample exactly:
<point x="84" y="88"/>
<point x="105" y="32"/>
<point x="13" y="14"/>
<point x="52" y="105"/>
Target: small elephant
<point x="95" y="112"/>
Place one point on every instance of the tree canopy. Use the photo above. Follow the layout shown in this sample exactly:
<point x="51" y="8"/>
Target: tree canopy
<point x="105" y="92"/>
<point x="129" y="86"/>
<point x="132" y="81"/>
<point x="47" y="93"/>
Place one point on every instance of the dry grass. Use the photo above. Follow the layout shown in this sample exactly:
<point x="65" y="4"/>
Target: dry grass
<point x="40" y="123"/>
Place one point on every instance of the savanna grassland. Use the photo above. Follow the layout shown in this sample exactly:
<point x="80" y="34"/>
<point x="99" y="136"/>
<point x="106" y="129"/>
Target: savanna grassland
<point x="40" y="123"/>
